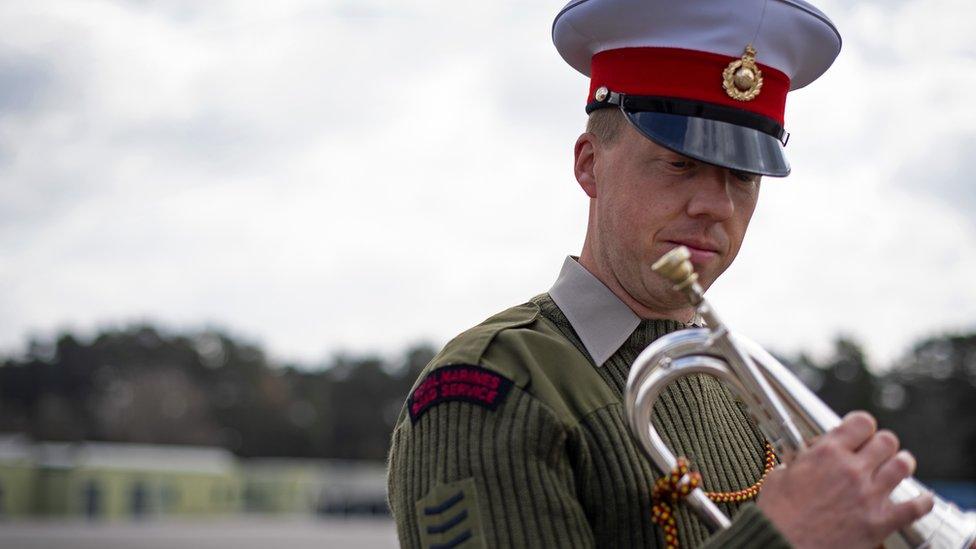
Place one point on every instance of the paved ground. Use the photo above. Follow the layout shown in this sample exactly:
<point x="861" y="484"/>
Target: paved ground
<point x="236" y="533"/>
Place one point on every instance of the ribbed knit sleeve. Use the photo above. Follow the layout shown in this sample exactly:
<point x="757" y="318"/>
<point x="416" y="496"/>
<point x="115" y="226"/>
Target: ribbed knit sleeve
<point x="504" y="476"/>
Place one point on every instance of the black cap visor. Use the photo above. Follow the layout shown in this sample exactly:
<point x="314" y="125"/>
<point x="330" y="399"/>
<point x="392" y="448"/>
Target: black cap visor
<point x="717" y="142"/>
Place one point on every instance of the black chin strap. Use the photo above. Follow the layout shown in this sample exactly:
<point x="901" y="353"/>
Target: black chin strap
<point x="698" y="109"/>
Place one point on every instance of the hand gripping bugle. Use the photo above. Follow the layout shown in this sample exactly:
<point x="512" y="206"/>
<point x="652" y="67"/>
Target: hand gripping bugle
<point x="787" y="413"/>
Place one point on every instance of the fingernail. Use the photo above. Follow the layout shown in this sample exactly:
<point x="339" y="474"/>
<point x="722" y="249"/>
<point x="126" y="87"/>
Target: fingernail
<point x="909" y="458"/>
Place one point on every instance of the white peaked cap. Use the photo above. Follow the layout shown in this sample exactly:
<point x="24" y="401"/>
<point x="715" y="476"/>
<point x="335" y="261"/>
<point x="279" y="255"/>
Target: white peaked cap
<point x="705" y="78"/>
<point x="792" y="36"/>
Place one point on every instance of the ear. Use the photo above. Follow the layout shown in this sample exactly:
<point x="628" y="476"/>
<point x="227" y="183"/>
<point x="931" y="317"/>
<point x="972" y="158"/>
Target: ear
<point x="585" y="161"/>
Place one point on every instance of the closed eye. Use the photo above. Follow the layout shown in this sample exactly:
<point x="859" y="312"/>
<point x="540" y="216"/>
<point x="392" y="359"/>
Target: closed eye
<point x="682" y="164"/>
<point x="744" y="177"/>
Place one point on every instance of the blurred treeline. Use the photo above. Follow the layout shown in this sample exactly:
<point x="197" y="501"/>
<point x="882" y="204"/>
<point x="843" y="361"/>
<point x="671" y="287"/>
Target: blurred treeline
<point x="144" y="385"/>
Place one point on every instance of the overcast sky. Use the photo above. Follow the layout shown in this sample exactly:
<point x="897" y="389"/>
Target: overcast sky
<point x="357" y="176"/>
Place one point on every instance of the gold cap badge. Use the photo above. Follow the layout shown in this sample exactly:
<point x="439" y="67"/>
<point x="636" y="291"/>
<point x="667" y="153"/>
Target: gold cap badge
<point x="742" y="79"/>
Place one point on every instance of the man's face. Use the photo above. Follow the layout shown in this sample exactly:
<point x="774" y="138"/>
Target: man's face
<point x="650" y="200"/>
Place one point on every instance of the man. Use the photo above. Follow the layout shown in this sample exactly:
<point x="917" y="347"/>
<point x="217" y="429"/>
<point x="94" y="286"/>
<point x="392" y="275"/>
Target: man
<point x="514" y="436"/>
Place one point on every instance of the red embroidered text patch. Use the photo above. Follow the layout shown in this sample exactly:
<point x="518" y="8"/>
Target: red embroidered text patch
<point x="462" y="382"/>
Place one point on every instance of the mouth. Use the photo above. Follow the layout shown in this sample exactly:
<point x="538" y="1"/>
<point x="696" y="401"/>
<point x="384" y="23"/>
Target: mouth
<point x="701" y="252"/>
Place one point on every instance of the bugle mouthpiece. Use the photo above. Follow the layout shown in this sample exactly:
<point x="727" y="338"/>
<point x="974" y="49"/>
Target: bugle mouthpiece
<point x="676" y="267"/>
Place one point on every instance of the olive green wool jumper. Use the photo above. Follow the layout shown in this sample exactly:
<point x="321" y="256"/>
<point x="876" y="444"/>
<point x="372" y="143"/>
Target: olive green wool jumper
<point x="513" y="437"/>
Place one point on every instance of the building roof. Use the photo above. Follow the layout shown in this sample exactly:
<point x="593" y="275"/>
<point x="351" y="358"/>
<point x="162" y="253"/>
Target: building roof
<point x="143" y="457"/>
<point x="15" y="448"/>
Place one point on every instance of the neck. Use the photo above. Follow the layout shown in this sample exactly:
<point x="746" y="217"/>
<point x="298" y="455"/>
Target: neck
<point x="590" y="262"/>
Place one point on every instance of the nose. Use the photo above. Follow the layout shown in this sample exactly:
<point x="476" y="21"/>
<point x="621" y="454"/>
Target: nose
<point x="710" y="197"/>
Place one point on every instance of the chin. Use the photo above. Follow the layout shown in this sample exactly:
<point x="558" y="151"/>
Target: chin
<point x="707" y="277"/>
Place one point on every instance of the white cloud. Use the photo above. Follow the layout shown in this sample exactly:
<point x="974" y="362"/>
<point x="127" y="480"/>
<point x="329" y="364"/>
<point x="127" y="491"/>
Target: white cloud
<point x="361" y="175"/>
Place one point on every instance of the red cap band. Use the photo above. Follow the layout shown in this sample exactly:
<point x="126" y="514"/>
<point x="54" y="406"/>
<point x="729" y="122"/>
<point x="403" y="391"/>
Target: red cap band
<point x="683" y="74"/>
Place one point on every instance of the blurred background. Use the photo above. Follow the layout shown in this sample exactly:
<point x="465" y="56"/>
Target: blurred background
<point x="232" y="233"/>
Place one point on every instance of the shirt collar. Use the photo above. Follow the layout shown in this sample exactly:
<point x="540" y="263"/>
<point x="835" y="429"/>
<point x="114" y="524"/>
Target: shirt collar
<point x="601" y="320"/>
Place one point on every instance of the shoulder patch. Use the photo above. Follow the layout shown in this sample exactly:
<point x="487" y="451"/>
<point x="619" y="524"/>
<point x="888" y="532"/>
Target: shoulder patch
<point x="458" y="382"/>
<point x="448" y="516"/>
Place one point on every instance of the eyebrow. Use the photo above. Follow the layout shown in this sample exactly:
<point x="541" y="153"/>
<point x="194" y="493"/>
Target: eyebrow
<point x="671" y="155"/>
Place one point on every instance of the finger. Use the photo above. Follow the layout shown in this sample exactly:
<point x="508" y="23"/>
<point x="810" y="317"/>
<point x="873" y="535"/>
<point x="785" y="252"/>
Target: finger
<point x="893" y="471"/>
<point x="854" y="430"/>
<point x="878" y="449"/>
<point x="904" y="513"/>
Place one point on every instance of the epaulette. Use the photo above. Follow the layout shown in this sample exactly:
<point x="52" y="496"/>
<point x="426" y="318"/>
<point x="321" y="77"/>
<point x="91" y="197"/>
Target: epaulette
<point x="519" y="348"/>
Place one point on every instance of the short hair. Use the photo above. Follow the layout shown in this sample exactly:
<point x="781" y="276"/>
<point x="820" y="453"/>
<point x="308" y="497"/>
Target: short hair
<point x="605" y="124"/>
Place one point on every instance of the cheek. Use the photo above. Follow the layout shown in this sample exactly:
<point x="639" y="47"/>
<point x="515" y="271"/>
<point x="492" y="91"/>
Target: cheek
<point x="634" y="209"/>
<point x="636" y="224"/>
<point x="746" y="199"/>
<point x="746" y="207"/>
<point x="740" y="222"/>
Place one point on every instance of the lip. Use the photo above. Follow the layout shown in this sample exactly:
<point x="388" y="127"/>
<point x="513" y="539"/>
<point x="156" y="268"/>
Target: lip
<point x="701" y="251"/>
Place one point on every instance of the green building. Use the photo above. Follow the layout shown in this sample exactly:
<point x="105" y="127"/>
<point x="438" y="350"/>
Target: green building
<point x="110" y="481"/>
<point x="282" y="485"/>
<point x="113" y="481"/>
<point x="18" y="477"/>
